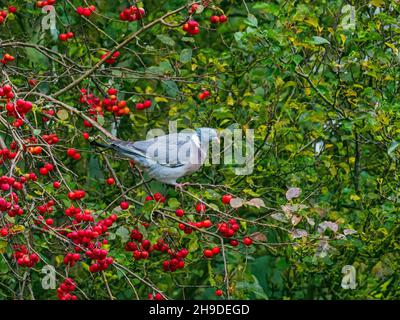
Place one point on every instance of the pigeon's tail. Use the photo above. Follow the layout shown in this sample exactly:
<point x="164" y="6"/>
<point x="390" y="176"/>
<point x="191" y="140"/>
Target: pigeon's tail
<point x="125" y="148"/>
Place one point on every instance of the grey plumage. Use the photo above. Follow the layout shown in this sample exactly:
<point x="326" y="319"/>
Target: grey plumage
<point x="169" y="157"/>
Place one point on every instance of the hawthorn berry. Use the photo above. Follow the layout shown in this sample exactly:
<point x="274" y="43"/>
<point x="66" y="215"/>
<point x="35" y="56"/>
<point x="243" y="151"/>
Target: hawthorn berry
<point x="214" y="19"/>
<point x="124" y="205"/>
<point x="110" y="181"/>
<point x="247" y="241"/>
<point x="179" y="212"/>
<point x="208" y="253"/>
<point x="201" y="207"/>
<point x="4" y="232"/>
<point x="226" y="199"/>
<point x="219" y="292"/>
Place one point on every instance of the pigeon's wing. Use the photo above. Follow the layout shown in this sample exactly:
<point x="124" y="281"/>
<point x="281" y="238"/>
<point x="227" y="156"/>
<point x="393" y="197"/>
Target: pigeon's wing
<point x="171" y="150"/>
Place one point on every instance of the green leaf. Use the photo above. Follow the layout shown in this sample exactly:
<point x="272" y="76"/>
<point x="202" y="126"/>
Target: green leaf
<point x="166" y="40"/>
<point x="100" y="120"/>
<point x="173" y="203"/>
<point x="123" y="233"/>
<point x="319" y="40"/>
<point x="186" y="55"/>
<point x="251" y="20"/>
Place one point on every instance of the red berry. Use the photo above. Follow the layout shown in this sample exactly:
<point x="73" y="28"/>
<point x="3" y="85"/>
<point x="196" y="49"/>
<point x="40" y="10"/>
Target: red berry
<point x="71" y="152"/>
<point x="56" y="184"/>
<point x="43" y="171"/>
<point x="223" y="19"/>
<point x="4" y="232"/>
<point x="85" y="135"/>
<point x="208" y="253"/>
<point x="214" y="19"/>
<point x="147" y="104"/>
<point x="218" y="292"/>
<point x="215" y="250"/>
<point x="63" y="37"/>
<point x="201" y="207"/>
<point x="206" y="223"/>
<point x="124" y="205"/>
<point x="247" y="241"/>
<point x="49" y="221"/>
<point x="179" y="212"/>
<point x="226" y="199"/>
<point x="110" y="181"/>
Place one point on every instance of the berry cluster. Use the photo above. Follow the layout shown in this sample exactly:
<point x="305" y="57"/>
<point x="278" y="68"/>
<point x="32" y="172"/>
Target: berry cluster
<point x="209" y="253"/>
<point x="24" y="258"/>
<point x="156" y="296"/>
<point x="48" y="167"/>
<point x="102" y="261"/>
<point x="228" y="229"/>
<point x="47" y="207"/>
<point x="86" y="12"/>
<point x="41" y="4"/>
<point x="73" y="153"/>
<point x="6" y="154"/>
<point x="10" y="205"/>
<point x="49" y="112"/>
<point x="65" y="289"/>
<point x="71" y="258"/>
<point x="3" y="16"/>
<point x="66" y="36"/>
<point x="191" y="27"/>
<point x="193" y="8"/>
<point x="112" y="104"/>
<point x="218" y="19"/>
<point x="204" y="95"/>
<point x="18" y="111"/>
<point x="176" y="260"/>
<point x="76" y="194"/>
<point x="79" y="215"/>
<point x="132" y="14"/>
<point x="7" y="182"/>
<point x="7" y="58"/>
<point x="111" y="59"/>
<point x="158" y="197"/>
<point x="141" y="248"/>
<point x="50" y="138"/>
<point x="6" y="91"/>
<point x="143" y="105"/>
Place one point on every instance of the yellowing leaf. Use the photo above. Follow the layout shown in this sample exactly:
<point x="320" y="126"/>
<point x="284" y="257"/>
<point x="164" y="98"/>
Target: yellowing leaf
<point x="355" y="197"/>
<point x="393" y="47"/>
<point x="343" y="38"/>
<point x="59" y="259"/>
<point x="17" y="229"/>
<point x="62" y="114"/>
<point x="377" y="3"/>
<point x="230" y="101"/>
<point x="160" y="99"/>
<point x="312" y="22"/>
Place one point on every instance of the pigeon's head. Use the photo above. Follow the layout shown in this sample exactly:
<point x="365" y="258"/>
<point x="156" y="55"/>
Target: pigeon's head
<point x="207" y="134"/>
